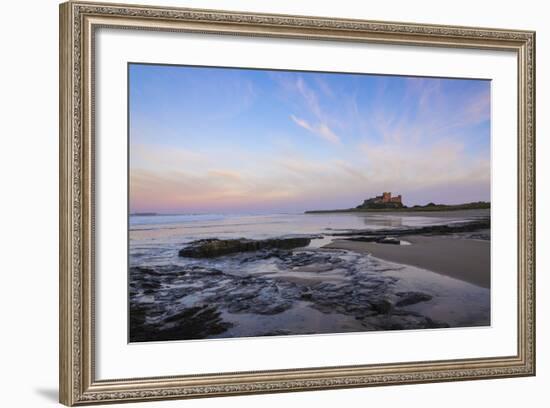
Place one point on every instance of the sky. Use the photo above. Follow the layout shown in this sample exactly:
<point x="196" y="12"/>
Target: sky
<point x="230" y="140"/>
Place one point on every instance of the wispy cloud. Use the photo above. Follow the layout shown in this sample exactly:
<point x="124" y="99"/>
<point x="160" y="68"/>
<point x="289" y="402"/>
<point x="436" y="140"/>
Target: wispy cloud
<point x="324" y="87"/>
<point x="227" y="175"/>
<point x="308" y="101"/>
<point x="443" y="172"/>
<point x="321" y="129"/>
<point x="326" y="133"/>
<point x="302" y="123"/>
<point x="310" y="97"/>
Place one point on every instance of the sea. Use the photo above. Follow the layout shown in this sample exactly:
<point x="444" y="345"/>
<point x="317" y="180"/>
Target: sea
<point x="155" y="239"/>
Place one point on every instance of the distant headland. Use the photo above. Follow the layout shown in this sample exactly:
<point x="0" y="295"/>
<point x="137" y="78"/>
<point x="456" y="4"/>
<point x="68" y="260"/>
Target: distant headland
<point x="387" y="202"/>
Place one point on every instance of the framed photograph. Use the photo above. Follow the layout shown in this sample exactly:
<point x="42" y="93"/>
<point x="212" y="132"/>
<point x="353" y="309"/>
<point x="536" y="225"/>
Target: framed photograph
<point x="256" y="203"/>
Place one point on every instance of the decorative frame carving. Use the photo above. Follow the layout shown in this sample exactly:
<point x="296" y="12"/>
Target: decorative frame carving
<point x="78" y="20"/>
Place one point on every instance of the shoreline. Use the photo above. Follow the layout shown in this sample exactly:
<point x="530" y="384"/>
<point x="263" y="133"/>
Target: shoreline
<point x="468" y="260"/>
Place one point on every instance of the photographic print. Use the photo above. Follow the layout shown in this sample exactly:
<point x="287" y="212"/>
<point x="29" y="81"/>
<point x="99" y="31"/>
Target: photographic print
<point x="276" y="202"/>
<point x="334" y="187"/>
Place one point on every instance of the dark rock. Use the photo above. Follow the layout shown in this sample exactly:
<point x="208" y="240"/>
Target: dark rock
<point x="306" y="296"/>
<point x="263" y="254"/>
<point x="382" y="306"/>
<point x="191" y="323"/>
<point x="208" y="248"/>
<point x="412" y="298"/>
<point x="468" y="226"/>
<point x="434" y="324"/>
<point x="378" y="239"/>
<point x="364" y="239"/>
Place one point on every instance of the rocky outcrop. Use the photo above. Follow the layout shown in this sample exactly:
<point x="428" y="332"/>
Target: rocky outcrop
<point x="378" y="239"/>
<point x="412" y="298"/>
<point x="196" y="322"/>
<point x="374" y="235"/>
<point x="209" y="248"/>
<point x="197" y="300"/>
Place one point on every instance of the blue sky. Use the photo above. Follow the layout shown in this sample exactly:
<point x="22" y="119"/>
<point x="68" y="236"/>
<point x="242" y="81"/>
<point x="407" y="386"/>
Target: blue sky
<point x="242" y="140"/>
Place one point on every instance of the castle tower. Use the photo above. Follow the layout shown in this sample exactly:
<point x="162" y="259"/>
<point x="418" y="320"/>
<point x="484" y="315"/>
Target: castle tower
<point x="396" y="199"/>
<point x="386" y="197"/>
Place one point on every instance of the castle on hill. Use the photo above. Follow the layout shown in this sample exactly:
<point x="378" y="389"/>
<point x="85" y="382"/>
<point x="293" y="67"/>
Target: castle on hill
<point x="383" y="201"/>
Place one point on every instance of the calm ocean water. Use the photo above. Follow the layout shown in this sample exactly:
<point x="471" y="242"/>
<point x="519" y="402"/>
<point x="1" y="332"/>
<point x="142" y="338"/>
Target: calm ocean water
<point x="155" y="238"/>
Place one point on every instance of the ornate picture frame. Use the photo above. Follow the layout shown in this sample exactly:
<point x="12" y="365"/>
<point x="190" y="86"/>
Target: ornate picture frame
<point x="78" y="24"/>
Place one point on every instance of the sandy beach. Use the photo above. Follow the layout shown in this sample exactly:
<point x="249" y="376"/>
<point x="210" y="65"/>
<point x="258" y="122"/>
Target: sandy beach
<point x="465" y="259"/>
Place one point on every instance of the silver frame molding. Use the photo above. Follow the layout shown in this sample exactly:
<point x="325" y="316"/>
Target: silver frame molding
<point x="78" y="22"/>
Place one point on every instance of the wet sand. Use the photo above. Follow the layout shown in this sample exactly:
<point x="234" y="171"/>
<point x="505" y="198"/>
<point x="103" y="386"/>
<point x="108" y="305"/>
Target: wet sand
<point x="465" y="259"/>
